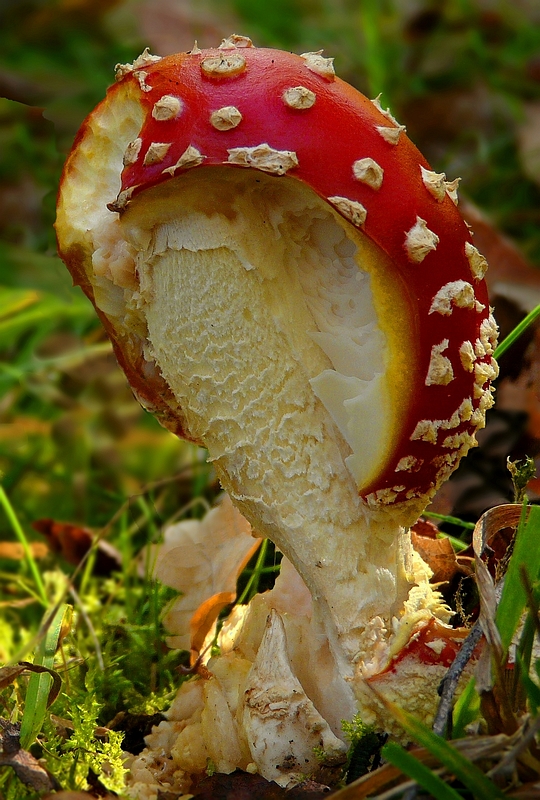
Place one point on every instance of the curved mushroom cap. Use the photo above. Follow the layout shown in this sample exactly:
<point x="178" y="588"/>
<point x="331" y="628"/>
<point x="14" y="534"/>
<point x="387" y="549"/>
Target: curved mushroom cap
<point x="272" y="113"/>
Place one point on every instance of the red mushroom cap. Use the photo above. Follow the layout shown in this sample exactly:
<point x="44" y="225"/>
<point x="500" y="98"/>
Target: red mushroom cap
<point x="244" y="107"/>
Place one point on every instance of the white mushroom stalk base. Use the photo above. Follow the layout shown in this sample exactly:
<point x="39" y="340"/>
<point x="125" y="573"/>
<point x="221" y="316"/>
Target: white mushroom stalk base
<point x="268" y="323"/>
<point x="273" y="701"/>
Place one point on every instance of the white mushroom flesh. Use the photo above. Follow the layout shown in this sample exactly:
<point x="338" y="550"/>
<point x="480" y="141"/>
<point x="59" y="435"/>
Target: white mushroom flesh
<point x="262" y="316"/>
<point x="282" y="414"/>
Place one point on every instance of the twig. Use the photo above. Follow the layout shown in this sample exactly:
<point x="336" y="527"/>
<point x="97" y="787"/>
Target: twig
<point x="448" y="685"/>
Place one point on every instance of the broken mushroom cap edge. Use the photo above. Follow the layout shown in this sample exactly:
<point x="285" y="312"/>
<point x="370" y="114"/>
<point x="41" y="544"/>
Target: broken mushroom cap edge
<point x="260" y="109"/>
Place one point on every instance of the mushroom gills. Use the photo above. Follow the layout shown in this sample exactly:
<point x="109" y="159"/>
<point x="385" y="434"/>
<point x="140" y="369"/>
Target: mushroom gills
<point x="266" y="264"/>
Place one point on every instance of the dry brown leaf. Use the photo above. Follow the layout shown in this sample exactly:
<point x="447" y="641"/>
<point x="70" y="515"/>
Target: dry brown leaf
<point x="487" y="527"/>
<point x="202" y="559"/>
<point x="9" y="674"/>
<point x="500" y="540"/>
<point x="495" y="702"/>
<point x="73" y="542"/>
<point x="56" y="684"/>
<point x="423" y="527"/>
<point x="26" y="767"/>
<point x="438" y="554"/>
<point x="490" y="524"/>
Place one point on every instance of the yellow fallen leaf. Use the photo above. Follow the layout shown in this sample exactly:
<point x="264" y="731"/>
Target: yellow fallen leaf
<point x="15" y="550"/>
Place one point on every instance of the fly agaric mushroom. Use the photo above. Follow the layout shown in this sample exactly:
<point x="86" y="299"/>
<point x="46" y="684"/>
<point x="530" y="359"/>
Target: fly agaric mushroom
<point x="287" y="283"/>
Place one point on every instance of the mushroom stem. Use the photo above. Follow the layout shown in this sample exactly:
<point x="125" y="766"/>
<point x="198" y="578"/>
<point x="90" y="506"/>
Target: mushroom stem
<point x="244" y="365"/>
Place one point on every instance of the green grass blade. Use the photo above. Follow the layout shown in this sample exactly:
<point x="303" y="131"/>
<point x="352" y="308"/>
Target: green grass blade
<point x="516" y="333"/>
<point x="466" y="709"/>
<point x="456" y="763"/>
<point x="526" y="554"/>
<point x="410" y="766"/>
<point x="530" y="688"/>
<point x="449" y="519"/>
<point x="19" y="533"/>
<point x="457" y="544"/>
<point x="369" y="13"/>
<point x="44" y="311"/>
<point x="13" y="301"/>
<point x="39" y="685"/>
<point x="253" y="582"/>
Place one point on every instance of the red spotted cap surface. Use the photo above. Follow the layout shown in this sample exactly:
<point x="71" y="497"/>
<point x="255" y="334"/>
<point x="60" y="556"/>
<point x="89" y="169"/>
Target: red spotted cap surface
<point x="289" y="117"/>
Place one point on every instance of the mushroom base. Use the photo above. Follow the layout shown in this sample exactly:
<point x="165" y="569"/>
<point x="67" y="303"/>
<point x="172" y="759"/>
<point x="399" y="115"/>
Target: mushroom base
<point x="274" y="700"/>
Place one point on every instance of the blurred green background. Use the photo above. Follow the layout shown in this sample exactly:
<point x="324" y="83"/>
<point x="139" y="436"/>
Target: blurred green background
<point x="463" y="75"/>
